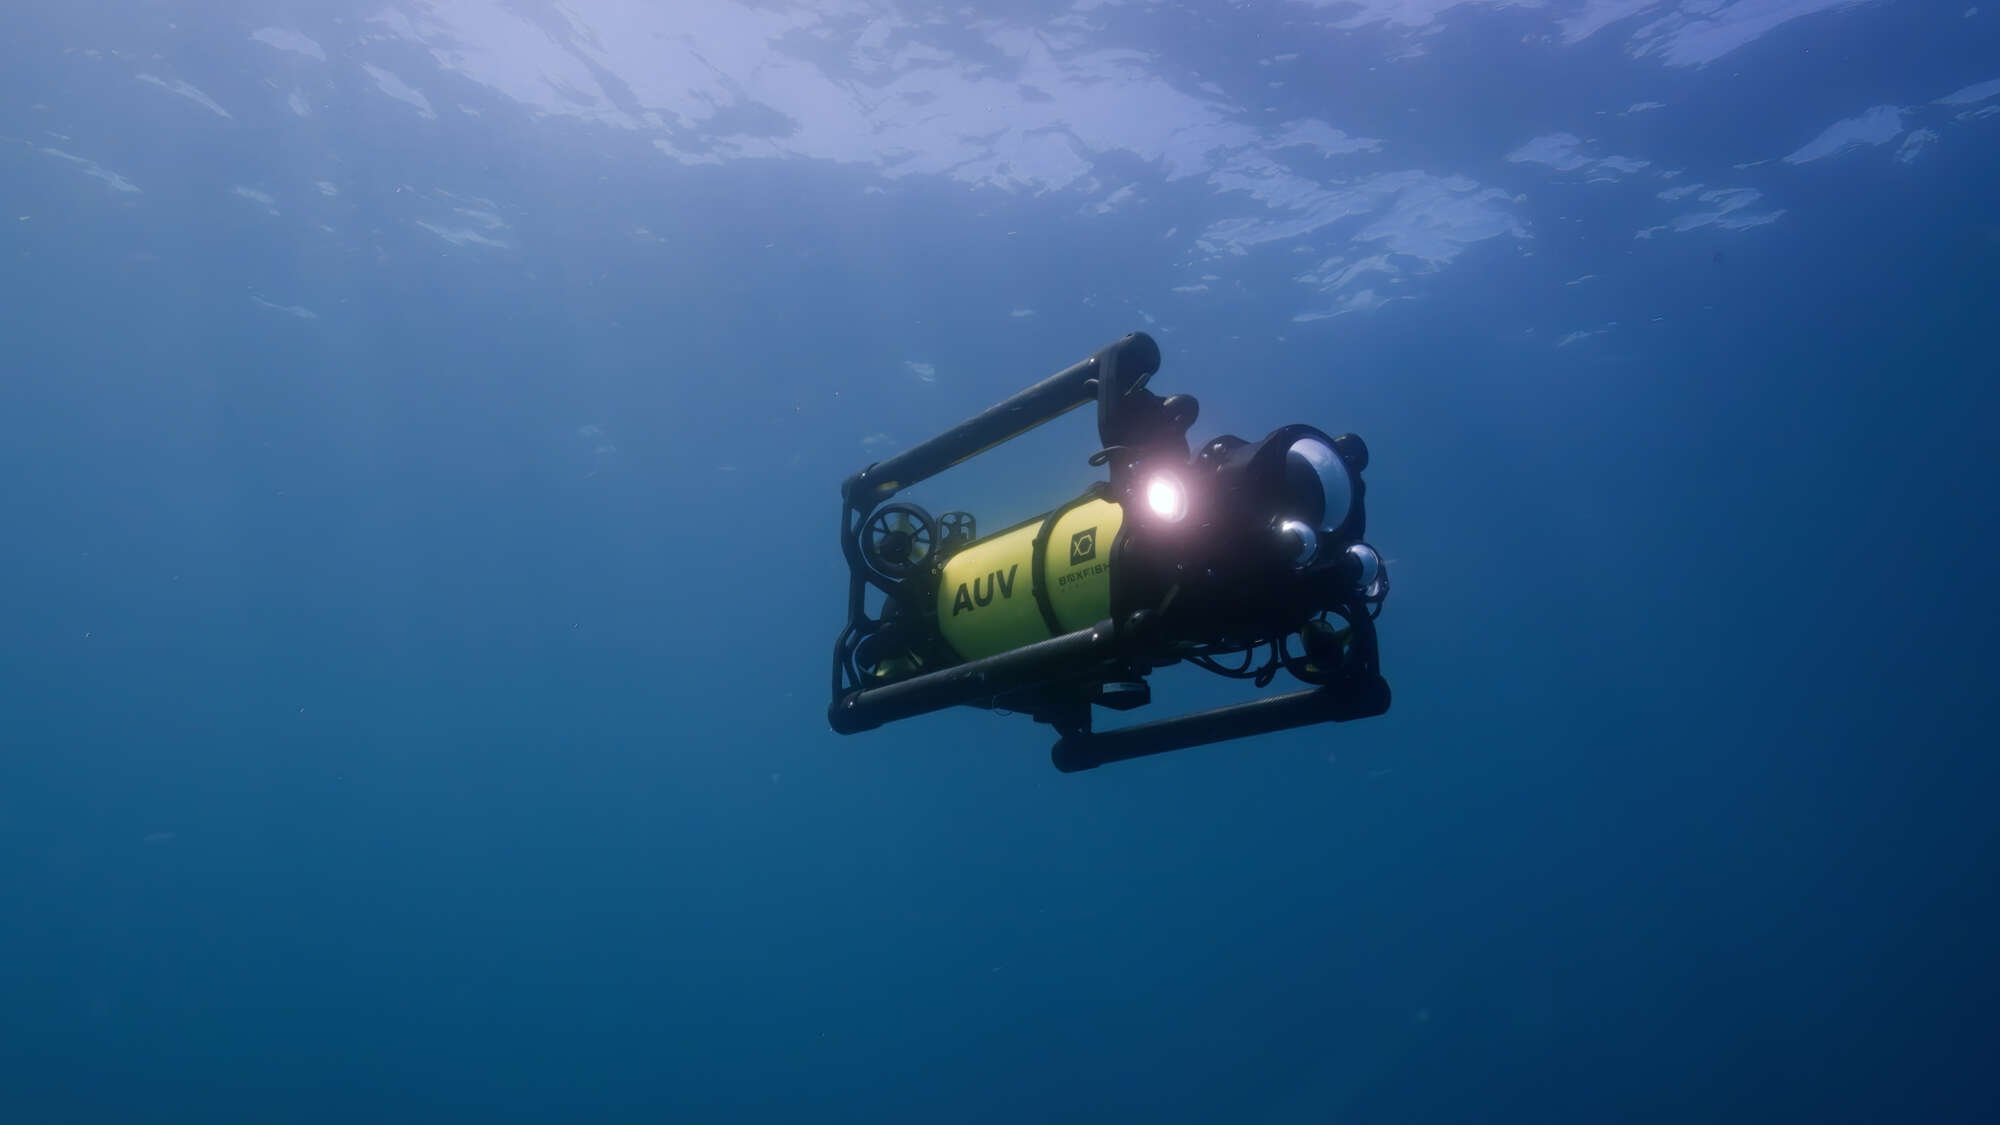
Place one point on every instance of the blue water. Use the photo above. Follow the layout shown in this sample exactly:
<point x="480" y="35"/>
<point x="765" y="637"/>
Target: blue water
<point x="422" y="428"/>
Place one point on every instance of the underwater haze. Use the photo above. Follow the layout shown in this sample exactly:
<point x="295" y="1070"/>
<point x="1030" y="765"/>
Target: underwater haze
<point x="423" y="422"/>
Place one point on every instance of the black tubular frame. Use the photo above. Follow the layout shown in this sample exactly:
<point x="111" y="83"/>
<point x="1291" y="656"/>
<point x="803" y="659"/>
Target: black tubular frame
<point x="1360" y="693"/>
<point x="1114" y="369"/>
<point x="1041" y="677"/>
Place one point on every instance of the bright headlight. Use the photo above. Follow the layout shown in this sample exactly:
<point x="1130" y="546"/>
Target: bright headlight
<point x="1166" y="497"/>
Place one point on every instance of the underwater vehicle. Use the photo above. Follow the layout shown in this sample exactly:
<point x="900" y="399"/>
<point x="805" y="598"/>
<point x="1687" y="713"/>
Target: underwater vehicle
<point x="1209" y="557"/>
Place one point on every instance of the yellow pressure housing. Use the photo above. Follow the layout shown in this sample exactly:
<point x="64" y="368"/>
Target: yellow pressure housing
<point x="1039" y="579"/>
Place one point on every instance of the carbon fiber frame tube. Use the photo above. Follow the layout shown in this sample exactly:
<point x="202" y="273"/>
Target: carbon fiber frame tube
<point x="1130" y="356"/>
<point x="1334" y="703"/>
<point x="1058" y="658"/>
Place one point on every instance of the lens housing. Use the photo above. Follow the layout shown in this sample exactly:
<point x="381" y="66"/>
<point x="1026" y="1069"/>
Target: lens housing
<point x="1297" y="541"/>
<point x="1297" y="472"/>
<point x="1318" y="488"/>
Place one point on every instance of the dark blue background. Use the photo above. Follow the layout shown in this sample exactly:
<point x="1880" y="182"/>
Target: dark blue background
<point x="373" y="748"/>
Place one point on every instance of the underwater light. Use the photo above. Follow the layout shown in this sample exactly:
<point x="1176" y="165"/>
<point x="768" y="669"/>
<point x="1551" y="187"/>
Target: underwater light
<point x="1166" y="497"/>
